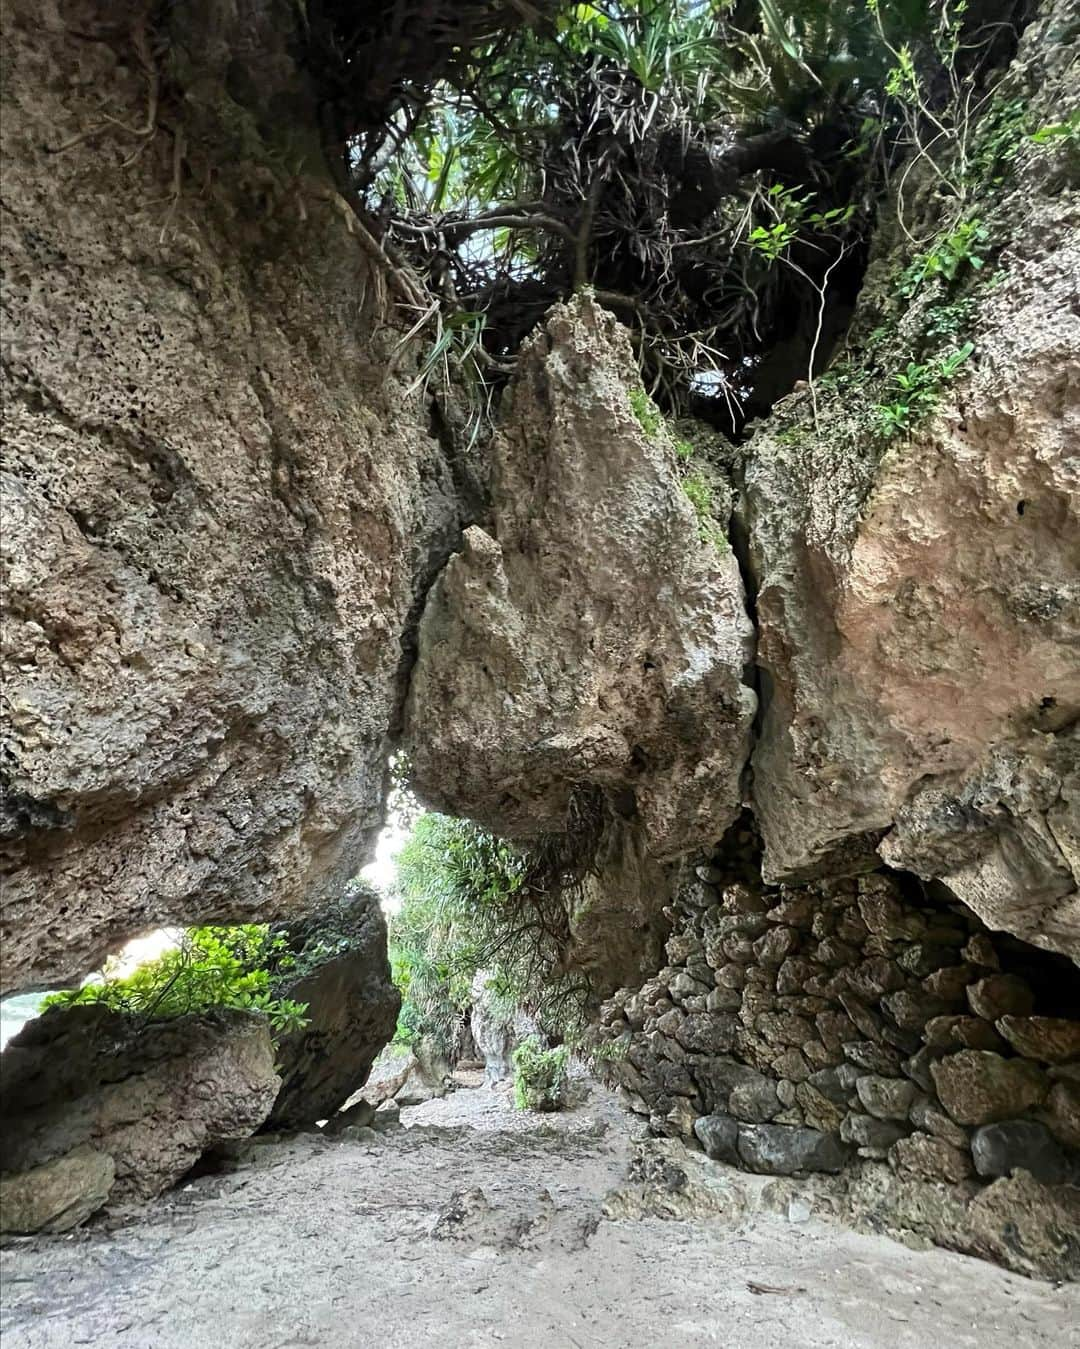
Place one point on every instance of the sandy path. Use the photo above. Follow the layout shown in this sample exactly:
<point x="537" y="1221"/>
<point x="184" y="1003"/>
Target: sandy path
<point x="345" y="1244"/>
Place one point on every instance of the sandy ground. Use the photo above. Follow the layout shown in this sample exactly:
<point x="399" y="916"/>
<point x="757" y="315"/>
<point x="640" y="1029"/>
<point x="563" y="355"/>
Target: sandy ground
<point x="479" y="1225"/>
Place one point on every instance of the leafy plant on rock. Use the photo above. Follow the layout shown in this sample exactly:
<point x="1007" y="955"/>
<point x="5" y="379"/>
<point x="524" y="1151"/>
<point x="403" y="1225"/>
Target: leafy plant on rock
<point x="540" y="1075"/>
<point x="961" y="247"/>
<point x="210" y="968"/>
<point x="917" y="390"/>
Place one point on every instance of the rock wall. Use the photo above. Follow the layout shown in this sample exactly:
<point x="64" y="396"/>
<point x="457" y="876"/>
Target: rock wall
<point x="800" y="1030"/>
<point x="217" y="520"/>
<point x="918" y="604"/>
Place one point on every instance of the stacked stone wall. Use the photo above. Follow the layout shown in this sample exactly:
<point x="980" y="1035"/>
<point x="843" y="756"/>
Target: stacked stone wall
<point x="799" y="1029"/>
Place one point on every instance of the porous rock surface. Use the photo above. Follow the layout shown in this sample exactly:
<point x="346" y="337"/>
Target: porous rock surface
<point x="588" y="637"/>
<point x="342" y="976"/>
<point x="82" y="1083"/>
<point x="919" y="607"/>
<point x="57" y="1195"/>
<point x="216" y="519"/>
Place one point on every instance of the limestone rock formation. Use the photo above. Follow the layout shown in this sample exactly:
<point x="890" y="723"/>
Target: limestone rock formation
<point x="149" y="1099"/>
<point x="918" y="604"/>
<point x="587" y="637"/>
<point x="58" y="1195"/>
<point x="216" y="519"/>
<point x="492" y="1026"/>
<point x="343" y="975"/>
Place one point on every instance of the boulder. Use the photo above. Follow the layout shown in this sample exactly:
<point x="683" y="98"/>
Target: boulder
<point x="999" y="995"/>
<point x="342" y="973"/>
<point x="818" y="1110"/>
<point x="754" y="1100"/>
<point x="1062" y="1113"/>
<point x="977" y="1087"/>
<point x="719" y="1136"/>
<point x="930" y="1158"/>
<point x="428" y="1074"/>
<point x="927" y="1117"/>
<point x="1019" y="1144"/>
<point x="707" y="1032"/>
<point x="356" y="1116"/>
<point x="873" y="1137"/>
<point x="388" y="1075"/>
<point x="970" y="1031"/>
<point x="149" y="1098"/>
<point x="718" y="1075"/>
<point x="1028" y="1226"/>
<point x="886" y="1097"/>
<point x="787" y="1150"/>
<point x="58" y="1195"/>
<point x="553" y="664"/>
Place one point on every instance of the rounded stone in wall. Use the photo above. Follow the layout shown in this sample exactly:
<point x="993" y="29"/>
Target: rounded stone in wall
<point x="1018" y="1144"/>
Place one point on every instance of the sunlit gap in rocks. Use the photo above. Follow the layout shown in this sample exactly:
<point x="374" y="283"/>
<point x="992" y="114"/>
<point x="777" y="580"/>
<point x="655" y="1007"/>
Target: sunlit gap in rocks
<point x="18" y="1009"/>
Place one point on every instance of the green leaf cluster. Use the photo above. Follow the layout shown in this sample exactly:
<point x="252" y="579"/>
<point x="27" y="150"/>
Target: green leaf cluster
<point x="917" y="389"/>
<point x="961" y="247"/>
<point x="540" y="1075"/>
<point x="1056" y="133"/>
<point x="210" y="968"/>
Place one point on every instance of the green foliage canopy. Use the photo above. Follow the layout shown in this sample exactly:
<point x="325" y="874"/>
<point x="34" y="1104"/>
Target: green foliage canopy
<point x="470" y="901"/>
<point x="211" y="967"/>
<point x="711" y="168"/>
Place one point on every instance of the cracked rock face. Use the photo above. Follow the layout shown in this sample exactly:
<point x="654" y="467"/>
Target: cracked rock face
<point x="215" y="516"/>
<point x="589" y="637"/>
<point x="920" y="613"/>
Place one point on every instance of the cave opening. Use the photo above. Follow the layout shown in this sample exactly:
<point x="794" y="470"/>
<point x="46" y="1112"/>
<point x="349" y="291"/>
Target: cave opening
<point x="439" y="495"/>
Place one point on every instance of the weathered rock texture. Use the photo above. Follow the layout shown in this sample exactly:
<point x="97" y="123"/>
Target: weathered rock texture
<point x="589" y="637"/>
<point x="492" y="1026"/>
<point x="216" y="517"/>
<point x="498" y="1027"/>
<point x="919" y="608"/>
<point x="808" y="1029"/>
<point x="83" y="1083"/>
<point x="343" y="976"/>
<point x="58" y="1195"/>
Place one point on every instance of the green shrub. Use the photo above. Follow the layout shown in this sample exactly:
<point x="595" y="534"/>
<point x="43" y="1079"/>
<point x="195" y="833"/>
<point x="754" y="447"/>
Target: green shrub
<point x="470" y="901"/>
<point x="212" y="967"/>
<point x="456" y="882"/>
<point x="540" y="1075"/>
